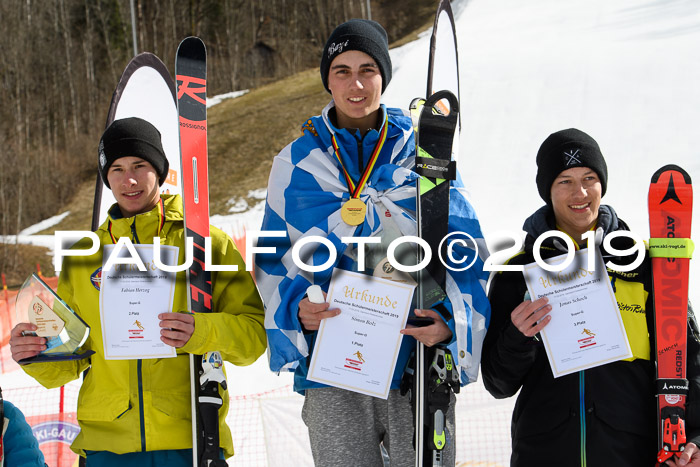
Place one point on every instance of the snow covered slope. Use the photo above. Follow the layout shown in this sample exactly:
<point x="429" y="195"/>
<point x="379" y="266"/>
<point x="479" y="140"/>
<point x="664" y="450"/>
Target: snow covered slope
<point x="626" y="72"/>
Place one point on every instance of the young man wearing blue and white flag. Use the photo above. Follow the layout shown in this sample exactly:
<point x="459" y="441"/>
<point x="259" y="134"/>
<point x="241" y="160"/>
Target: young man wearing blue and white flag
<point x="351" y="175"/>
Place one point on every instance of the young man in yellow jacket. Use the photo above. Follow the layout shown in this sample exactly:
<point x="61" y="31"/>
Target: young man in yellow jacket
<point x="138" y="411"/>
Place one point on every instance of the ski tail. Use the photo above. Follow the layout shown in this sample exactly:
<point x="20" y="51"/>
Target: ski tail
<point x="206" y="371"/>
<point x="443" y="52"/>
<point x="670" y="248"/>
<point x="443" y="63"/>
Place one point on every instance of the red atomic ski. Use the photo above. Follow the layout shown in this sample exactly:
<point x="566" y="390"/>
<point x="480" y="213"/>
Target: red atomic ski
<point x="670" y="247"/>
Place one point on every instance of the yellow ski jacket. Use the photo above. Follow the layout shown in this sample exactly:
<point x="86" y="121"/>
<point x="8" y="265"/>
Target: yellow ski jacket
<point x="144" y="405"/>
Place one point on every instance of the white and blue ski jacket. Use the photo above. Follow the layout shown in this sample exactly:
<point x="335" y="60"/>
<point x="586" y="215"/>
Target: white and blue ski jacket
<point x="306" y="190"/>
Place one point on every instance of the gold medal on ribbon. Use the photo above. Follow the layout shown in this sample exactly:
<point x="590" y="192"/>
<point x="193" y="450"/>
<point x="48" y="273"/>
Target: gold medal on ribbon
<point x="353" y="211"/>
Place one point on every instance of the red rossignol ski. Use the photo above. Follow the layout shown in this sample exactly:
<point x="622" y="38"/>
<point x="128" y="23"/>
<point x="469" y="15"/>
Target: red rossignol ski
<point x="206" y="371"/>
<point x="670" y="247"/>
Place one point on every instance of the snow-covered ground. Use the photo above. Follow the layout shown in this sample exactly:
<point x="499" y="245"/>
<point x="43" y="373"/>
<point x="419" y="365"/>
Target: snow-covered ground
<point x="212" y="101"/>
<point x="624" y="71"/>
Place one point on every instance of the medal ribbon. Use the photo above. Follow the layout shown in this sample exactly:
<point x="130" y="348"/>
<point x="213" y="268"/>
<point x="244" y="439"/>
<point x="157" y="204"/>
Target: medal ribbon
<point x="161" y="222"/>
<point x="356" y="190"/>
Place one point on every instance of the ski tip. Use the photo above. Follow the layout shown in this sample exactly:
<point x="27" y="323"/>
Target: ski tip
<point x="671" y="168"/>
<point x="191" y="47"/>
<point x="444" y="5"/>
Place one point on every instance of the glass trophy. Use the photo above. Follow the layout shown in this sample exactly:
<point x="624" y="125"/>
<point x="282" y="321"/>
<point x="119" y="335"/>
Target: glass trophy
<point x="65" y="331"/>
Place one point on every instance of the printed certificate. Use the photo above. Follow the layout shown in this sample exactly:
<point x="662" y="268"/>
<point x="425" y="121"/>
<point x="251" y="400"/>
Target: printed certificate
<point x="586" y="329"/>
<point x="130" y="301"/>
<point x="357" y="350"/>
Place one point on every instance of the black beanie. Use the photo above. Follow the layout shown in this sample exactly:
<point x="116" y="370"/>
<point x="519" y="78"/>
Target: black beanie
<point x="358" y="34"/>
<point x="132" y="137"/>
<point x="564" y="150"/>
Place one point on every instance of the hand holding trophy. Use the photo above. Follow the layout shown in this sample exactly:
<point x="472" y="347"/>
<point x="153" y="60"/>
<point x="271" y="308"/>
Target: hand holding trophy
<point x="65" y="332"/>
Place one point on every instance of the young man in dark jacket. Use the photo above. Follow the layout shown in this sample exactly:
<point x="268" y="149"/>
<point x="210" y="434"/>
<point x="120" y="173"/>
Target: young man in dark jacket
<point x="605" y="415"/>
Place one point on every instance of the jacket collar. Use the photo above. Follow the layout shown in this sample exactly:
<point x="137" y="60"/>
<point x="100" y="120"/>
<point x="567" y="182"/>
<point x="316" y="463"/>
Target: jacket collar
<point x="146" y="225"/>
<point x="543" y="220"/>
<point x="351" y="142"/>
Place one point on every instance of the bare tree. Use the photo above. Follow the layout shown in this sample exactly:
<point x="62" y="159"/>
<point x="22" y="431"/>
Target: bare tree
<point x="61" y="60"/>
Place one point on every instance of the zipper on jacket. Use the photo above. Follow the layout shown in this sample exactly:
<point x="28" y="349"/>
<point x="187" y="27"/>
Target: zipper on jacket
<point x="582" y="414"/>
<point x="142" y="420"/>
<point x="133" y="232"/>
<point x="139" y="371"/>
<point x="360" y="154"/>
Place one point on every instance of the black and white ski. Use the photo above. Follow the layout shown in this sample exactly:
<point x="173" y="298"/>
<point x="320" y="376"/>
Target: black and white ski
<point x="437" y="130"/>
<point x="206" y="371"/>
<point x="436" y="375"/>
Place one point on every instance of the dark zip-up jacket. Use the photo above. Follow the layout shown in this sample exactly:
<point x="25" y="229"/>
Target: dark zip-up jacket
<point x="602" y="416"/>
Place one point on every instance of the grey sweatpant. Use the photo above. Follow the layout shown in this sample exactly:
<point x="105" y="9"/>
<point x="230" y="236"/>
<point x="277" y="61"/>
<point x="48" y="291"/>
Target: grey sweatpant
<point x="346" y="429"/>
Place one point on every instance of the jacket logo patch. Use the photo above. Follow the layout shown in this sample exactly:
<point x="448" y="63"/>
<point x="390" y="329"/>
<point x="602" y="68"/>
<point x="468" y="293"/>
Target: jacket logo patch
<point x="96" y="278"/>
<point x="630" y="307"/>
<point x="309" y="126"/>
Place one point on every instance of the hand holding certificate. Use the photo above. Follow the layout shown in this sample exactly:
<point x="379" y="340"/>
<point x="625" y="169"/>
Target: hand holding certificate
<point x="131" y="302"/>
<point x="357" y="349"/>
<point x="585" y="328"/>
